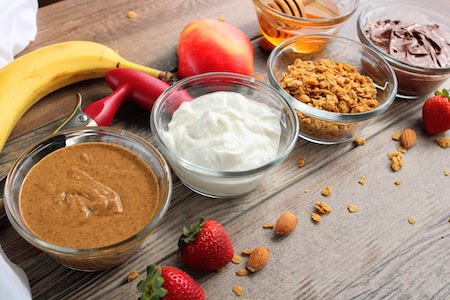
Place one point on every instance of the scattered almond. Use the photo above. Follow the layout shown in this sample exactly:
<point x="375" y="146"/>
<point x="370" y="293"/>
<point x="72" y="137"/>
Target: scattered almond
<point x="359" y="141"/>
<point x="247" y="251"/>
<point x="446" y="172"/>
<point x="397" y="182"/>
<point x="242" y="272"/>
<point x="362" y="180"/>
<point x="236" y="259"/>
<point x="132" y="15"/>
<point x="411" y="221"/>
<point x="396" y="136"/>
<point x="444" y="142"/>
<point x="221" y="19"/>
<point x="306" y="191"/>
<point x="268" y="226"/>
<point x="133" y="275"/>
<point x="286" y="223"/>
<point x="301" y="162"/>
<point x="316" y="217"/>
<point x="237" y="289"/>
<point x="352" y="208"/>
<point x="323" y="208"/>
<point x="327" y="191"/>
<point x="408" y="138"/>
<point x="258" y="258"/>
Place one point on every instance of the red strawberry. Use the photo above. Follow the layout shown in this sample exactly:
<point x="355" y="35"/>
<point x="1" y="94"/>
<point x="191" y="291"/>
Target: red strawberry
<point x="205" y="246"/>
<point x="169" y="283"/>
<point x="436" y="113"/>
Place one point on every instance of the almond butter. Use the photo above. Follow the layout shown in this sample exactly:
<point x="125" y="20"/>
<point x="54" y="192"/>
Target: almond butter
<point x="258" y="258"/>
<point x="408" y="138"/>
<point x="286" y="223"/>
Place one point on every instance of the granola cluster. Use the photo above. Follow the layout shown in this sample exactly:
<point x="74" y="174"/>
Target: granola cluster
<point x="330" y="86"/>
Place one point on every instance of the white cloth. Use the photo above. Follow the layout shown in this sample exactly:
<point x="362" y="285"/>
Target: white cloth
<point x="13" y="280"/>
<point x="17" y="27"/>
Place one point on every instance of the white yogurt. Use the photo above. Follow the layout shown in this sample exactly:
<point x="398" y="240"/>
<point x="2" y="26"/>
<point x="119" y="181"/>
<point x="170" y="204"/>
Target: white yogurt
<point x="225" y="131"/>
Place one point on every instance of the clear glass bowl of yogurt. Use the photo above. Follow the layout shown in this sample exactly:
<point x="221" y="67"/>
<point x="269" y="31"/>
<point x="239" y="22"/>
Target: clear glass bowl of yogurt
<point x="77" y="218"/>
<point x="222" y="132"/>
<point x="415" y="41"/>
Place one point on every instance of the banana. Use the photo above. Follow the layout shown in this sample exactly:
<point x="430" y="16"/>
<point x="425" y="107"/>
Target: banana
<point x="36" y="74"/>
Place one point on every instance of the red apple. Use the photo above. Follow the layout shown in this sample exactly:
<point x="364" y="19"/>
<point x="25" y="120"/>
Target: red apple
<point x="207" y="45"/>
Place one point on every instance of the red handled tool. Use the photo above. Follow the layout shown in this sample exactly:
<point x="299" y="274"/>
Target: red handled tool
<point x="128" y="85"/>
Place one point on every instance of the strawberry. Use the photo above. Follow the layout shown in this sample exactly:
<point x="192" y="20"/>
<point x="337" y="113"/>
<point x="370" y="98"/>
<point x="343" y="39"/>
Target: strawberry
<point x="205" y="246"/>
<point x="169" y="283"/>
<point x="436" y="113"/>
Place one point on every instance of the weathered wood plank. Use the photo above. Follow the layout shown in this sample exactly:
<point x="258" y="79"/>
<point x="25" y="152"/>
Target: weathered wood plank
<point x="374" y="253"/>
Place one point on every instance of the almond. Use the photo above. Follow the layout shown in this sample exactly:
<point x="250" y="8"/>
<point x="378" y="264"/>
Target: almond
<point x="408" y="138"/>
<point x="286" y="223"/>
<point x="258" y="258"/>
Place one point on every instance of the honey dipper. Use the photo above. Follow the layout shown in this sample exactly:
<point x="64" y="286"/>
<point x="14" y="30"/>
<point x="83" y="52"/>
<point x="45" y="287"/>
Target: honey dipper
<point x="291" y="7"/>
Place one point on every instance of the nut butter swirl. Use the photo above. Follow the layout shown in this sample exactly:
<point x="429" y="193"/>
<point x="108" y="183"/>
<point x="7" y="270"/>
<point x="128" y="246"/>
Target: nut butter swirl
<point x="89" y="195"/>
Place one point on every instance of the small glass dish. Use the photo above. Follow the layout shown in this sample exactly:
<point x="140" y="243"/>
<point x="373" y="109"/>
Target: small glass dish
<point x="319" y="125"/>
<point x="413" y="81"/>
<point x="89" y="259"/>
<point x="322" y="17"/>
<point x="210" y="182"/>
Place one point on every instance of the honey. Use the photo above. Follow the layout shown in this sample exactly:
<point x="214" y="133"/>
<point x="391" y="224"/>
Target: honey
<point x="276" y="26"/>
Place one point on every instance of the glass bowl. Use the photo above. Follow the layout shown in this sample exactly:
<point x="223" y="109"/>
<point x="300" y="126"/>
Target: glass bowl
<point x="323" y="126"/>
<point x="322" y="17"/>
<point x="413" y="81"/>
<point x="87" y="259"/>
<point x="212" y="182"/>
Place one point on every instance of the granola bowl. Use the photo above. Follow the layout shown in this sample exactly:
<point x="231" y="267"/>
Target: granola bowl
<point x="416" y="44"/>
<point x="337" y="86"/>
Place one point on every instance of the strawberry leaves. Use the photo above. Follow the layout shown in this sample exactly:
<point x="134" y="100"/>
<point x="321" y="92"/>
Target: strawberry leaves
<point x="151" y="288"/>
<point x="444" y="93"/>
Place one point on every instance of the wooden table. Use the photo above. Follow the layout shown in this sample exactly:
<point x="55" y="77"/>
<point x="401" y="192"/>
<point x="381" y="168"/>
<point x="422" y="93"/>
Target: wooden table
<point x="371" y="254"/>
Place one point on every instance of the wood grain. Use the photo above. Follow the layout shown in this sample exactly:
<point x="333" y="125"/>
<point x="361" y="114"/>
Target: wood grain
<point x="371" y="254"/>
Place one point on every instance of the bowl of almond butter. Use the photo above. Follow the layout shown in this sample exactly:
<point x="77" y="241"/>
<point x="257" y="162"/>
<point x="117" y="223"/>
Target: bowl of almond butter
<point x="88" y="197"/>
<point x="336" y="85"/>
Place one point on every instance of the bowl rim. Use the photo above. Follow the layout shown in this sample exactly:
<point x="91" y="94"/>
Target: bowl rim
<point x="324" y="114"/>
<point x="407" y="5"/>
<point x="99" y="251"/>
<point x="199" y="170"/>
<point x="338" y="19"/>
